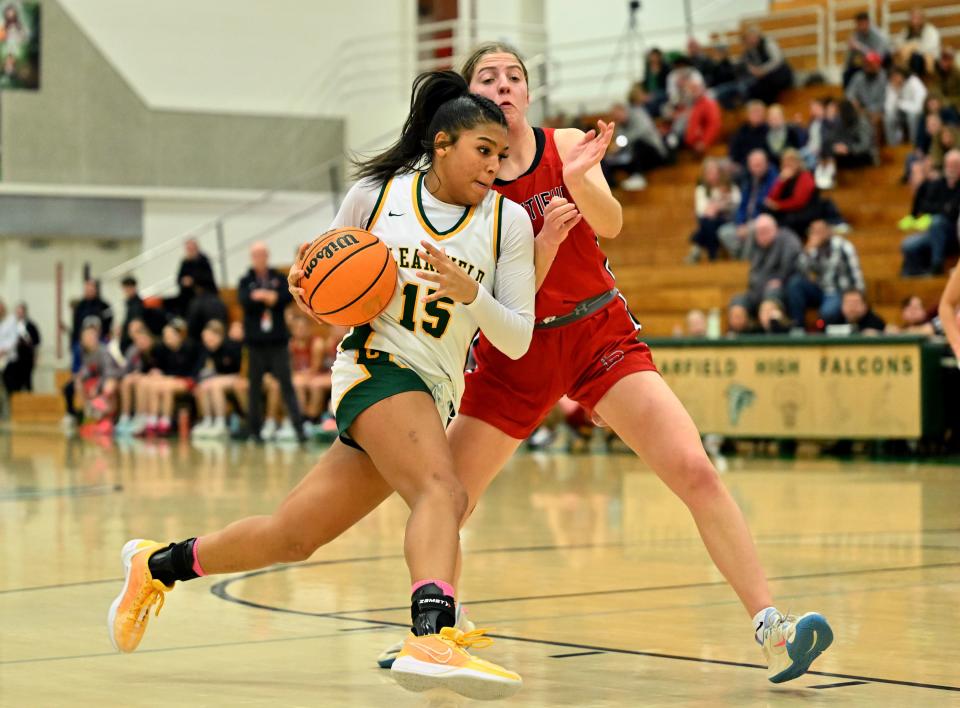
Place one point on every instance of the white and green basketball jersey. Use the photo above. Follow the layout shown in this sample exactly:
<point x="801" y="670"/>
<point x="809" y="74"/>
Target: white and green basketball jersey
<point x="431" y="338"/>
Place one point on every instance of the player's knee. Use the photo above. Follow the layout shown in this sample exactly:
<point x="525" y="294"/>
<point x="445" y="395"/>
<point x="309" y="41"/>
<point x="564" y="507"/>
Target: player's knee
<point x="445" y="485"/>
<point x="701" y="483"/>
<point x="290" y="544"/>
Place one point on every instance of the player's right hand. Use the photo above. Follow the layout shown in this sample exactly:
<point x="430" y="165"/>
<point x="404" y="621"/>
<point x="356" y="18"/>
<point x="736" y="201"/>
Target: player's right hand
<point x="558" y="218"/>
<point x="293" y="285"/>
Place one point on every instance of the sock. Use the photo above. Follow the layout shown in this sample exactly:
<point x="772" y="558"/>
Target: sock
<point x="124" y="419"/>
<point x="219" y="421"/>
<point x="178" y="561"/>
<point x="164" y="420"/>
<point x="432" y="607"/>
<point x="760" y="622"/>
<point x="151" y="420"/>
<point x="207" y="421"/>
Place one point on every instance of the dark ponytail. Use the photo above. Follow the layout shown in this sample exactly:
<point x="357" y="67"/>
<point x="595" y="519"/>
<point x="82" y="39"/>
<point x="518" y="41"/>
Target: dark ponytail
<point x="440" y="102"/>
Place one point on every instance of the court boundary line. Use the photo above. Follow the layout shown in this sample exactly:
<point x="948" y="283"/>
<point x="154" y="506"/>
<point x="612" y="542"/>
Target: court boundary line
<point x="220" y="590"/>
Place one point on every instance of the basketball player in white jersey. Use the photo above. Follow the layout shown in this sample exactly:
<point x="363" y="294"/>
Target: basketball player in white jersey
<point x="466" y="261"/>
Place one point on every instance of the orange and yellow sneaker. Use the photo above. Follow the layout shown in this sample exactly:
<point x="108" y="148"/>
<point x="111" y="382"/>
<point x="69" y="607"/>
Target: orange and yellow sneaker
<point x="130" y="612"/>
<point x="442" y="661"/>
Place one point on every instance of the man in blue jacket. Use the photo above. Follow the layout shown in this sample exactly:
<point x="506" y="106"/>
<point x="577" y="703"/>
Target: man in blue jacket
<point x="754" y="187"/>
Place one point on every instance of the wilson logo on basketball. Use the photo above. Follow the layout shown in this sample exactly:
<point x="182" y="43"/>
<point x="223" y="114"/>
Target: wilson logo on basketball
<point x="327" y="251"/>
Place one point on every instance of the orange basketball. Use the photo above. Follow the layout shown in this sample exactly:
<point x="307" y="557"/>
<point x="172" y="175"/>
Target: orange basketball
<point x="349" y="276"/>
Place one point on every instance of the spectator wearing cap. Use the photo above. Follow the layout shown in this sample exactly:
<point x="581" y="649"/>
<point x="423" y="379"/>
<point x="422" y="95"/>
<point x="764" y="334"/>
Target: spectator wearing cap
<point x="903" y="106"/>
<point x="868" y="89"/>
<point x="826" y="267"/>
<point x="917" y="45"/>
<point x="864" y="40"/>
<point x="769" y="71"/>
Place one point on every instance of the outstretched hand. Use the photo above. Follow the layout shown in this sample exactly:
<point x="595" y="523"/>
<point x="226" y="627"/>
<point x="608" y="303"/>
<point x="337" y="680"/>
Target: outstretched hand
<point x="588" y="152"/>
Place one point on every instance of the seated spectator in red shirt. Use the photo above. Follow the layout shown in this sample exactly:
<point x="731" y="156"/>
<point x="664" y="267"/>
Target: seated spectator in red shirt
<point x="793" y="198"/>
<point x="704" y="122"/>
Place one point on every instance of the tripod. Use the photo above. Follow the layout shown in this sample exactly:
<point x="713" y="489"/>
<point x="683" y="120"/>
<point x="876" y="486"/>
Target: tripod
<point x="630" y="46"/>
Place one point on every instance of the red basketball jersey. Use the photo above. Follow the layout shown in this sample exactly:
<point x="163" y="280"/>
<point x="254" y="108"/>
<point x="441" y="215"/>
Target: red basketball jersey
<point x="580" y="270"/>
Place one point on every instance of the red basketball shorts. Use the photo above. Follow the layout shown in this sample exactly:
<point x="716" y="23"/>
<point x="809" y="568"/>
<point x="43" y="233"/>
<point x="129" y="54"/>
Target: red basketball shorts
<point x="582" y="360"/>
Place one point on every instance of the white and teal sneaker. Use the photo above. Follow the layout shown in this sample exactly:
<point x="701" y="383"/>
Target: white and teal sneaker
<point x="791" y="644"/>
<point x="389" y="655"/>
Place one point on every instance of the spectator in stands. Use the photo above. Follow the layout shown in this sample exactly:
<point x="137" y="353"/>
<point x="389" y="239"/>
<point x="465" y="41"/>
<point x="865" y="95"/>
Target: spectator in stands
<point x="134" y="309"/>
<point x="96" y="381"/>
<point x="827" y="267"/>
<point x="754" y="188"/>
<point x="310" y="381"/>
<point x="716" y="199"/>
<point x="781" y="135"/>
<point x="868" y="89"/>
<point x="942" y="141"/>
<point x="194" y="268"/>
<point x="723" y="82"/>
<point x="703" y="122"/>
<point x="794" y="199"/>
<point x="771" y="317"/>
<point x="263" y="295"/>
<point x="946" y="82"/>
<point x="925" y="253"/>
<point x="636" y="148"/>
<point x="696" y="324"/>
<point x="8" y="356"/>
<point x="141" y="359"/>
<point x="848" y="143"/>
<point x="903" y="107"/>
<point x="177" y="362"/>
<point x="205" y="307"/>
<point x="92" y="305"/>
<point x="218" y="374"/>
<point x="915" y="319"/>
<point x="678" y="97"/>
<point x="738" y="318"/>
<point x="865" y="39"/>
<point x="918" y="44"/>
<point x="18" y="375"/>
<point x="751" y="135"/>
<point x="767" y="66"/>
<point x="857" y="313"/>
<point x="655" y="74"/>
<point x="773" y="261"/>
<point x="700" y="60"/>
<point x="814" y="144"/>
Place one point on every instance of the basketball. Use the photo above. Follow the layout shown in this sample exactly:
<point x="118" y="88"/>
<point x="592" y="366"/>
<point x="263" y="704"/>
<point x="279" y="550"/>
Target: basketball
<point x="349" y="276"/>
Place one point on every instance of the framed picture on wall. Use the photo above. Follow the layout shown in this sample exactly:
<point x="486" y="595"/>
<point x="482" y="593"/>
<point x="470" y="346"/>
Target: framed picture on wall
<point x="19" y="45"/>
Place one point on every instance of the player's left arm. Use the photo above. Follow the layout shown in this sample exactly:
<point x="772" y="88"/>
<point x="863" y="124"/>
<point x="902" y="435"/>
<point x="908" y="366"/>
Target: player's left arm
<point x="581" y="154"/>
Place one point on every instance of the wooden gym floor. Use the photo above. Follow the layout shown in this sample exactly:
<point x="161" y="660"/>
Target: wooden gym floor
<point x="591" y="572"/>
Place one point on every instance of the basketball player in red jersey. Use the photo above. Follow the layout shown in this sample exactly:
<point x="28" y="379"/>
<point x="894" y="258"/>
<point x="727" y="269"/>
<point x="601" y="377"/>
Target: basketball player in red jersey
<point x="585" y="346"/>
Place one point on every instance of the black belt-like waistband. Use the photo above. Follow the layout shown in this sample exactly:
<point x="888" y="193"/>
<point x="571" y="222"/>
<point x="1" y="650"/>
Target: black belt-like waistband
<point x="585" y="308"/>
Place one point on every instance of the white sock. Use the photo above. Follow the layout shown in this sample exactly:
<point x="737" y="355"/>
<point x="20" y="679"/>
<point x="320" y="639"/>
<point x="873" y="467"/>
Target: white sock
<point x="207" y="421"/>
<point x="165" y="420"/>
<point x="124" y="419"/>
<point x="219" y="421"/>
<point x="151" y="420"/>
<point x="760" y="622"/>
